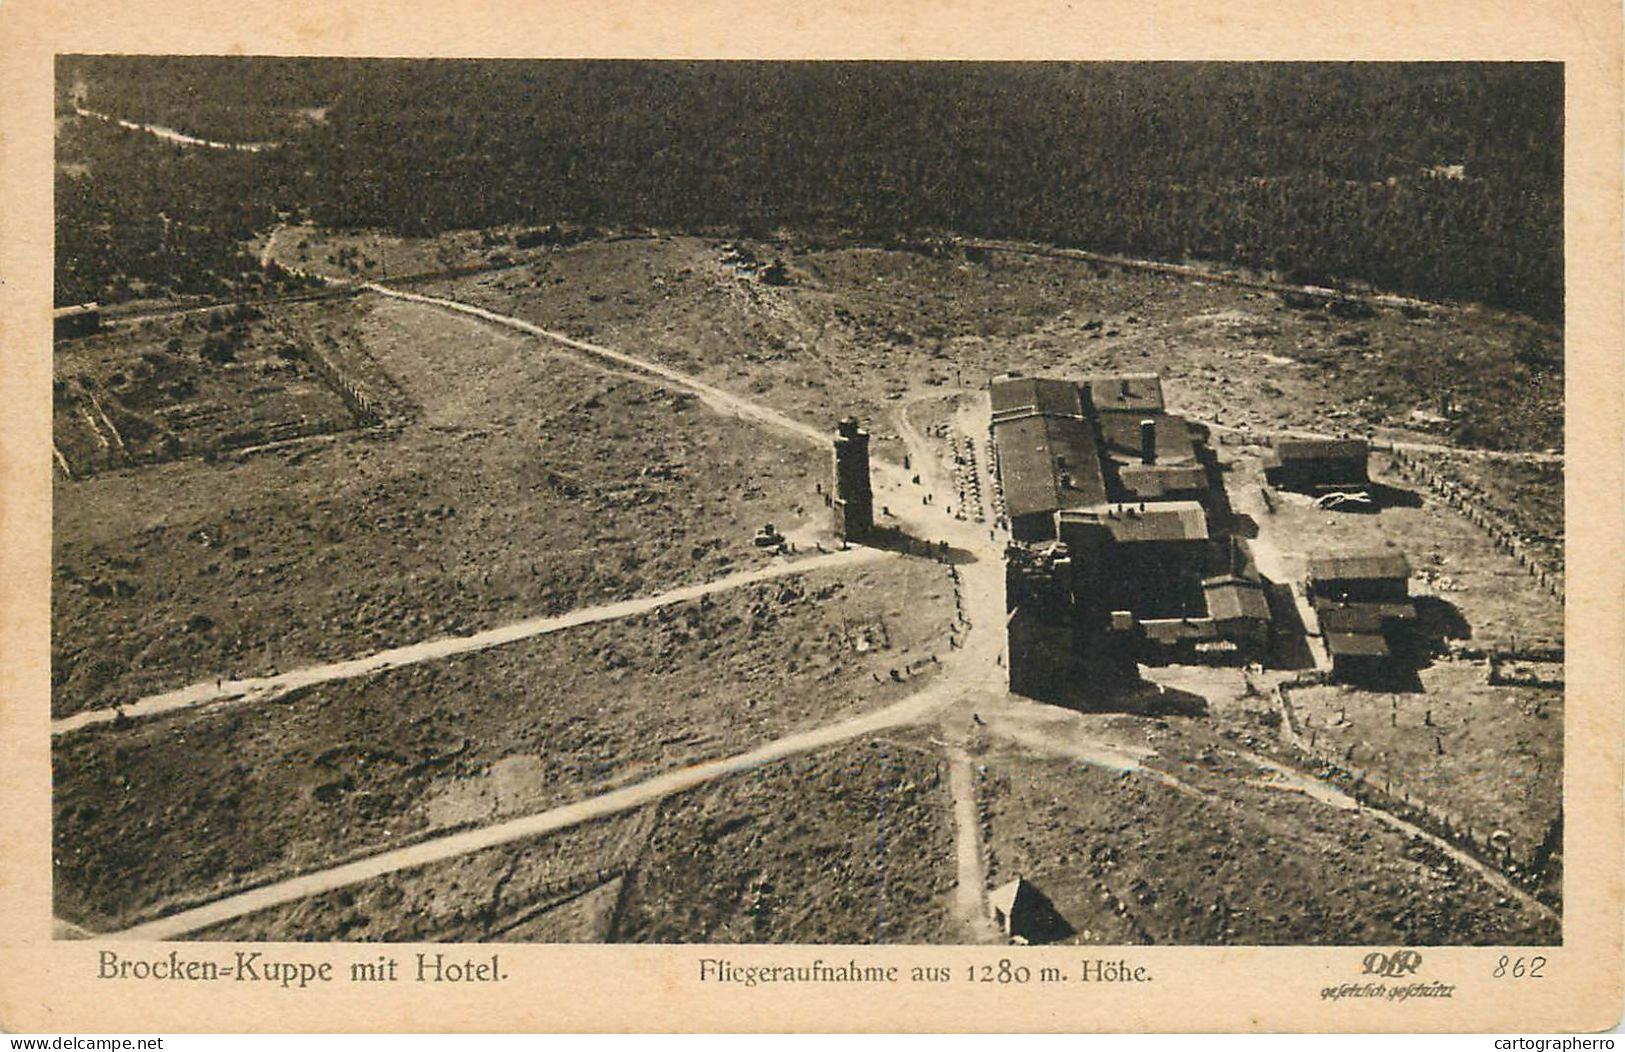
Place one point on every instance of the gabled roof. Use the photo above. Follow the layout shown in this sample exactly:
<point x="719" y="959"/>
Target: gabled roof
<point x="1362" y="567"/>
<point x="1361" y="617"/>
<point x="1284" y="450"/>
<point x="1134" y="392"/>
<point x="1154" y="481"/>
<point x="1003" y="898"/>
<point x="1172" y="631"/>
<point x="1026" y="395"/>
<point x="1357" y="618"/>
<point x="1121" y="433"/>
<point x="1168" y="520"/>
<point x="1356" y="644"/>
<point x="1230" y="599"/>
<point x="1046" y="463"/>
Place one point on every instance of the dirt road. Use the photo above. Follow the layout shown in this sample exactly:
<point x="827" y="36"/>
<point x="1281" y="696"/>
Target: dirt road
<point x="1045" y="730"/>
<point x="1266" y="551"/>
<point x="912" y="709"/>
<point x="263" y="688"/>
<point x="715" y="397"/>
<point x="178" y="138"/>
<point x="970" y="888"/>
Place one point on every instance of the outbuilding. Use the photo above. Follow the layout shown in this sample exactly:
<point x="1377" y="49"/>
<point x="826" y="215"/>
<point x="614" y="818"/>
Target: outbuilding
<point x="1366" y="577"/>
<point x="1316" y="465"/>
<point x="1025" y="914"/>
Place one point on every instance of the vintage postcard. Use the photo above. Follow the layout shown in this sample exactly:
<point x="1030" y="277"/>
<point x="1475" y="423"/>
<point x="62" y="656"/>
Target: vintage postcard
<point x="1052" y="517"/>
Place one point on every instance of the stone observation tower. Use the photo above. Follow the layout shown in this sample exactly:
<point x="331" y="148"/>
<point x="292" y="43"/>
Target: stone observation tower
<point x="852" y="500"/>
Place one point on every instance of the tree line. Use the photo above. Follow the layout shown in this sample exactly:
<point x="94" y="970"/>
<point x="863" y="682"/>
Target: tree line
<point x="1440" y="180"/>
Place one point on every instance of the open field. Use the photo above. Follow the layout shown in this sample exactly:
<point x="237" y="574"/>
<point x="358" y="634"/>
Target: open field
<point x="851" y="845"/>
<point x="198" y="804"/>
<point x="1527" y="495"/>
<point x="528" y="484"/>
<point x="1241" y="860"/>
<point x="856" y="328"/>
<point x="1488" y="755"/>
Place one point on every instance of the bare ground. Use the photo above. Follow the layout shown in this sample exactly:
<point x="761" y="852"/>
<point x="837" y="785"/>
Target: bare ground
<point x="194" y="806"/>
<point x="1127" y="859"/>
<point x="530" y="485"/>
<point x="850" y="845"/>
<point x="856" y="328"/>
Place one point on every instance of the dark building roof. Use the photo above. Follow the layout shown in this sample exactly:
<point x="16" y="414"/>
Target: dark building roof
<point x="1132" y="392"/>
<point x="1356" y="618"/>
<point x="1296" y="450"/>
<point x="1374" y="566"/>
<point x="1168" y="520"/>
<point x="1048" y="462"/>
<point x="1356" y="644"/>
<point x="1121" y="433"/>
<point x="1361" y="617"/>
<point x="1155" y="481"/>
<point x="1171" y="631"/>
<point x="1026" y="395"/>
<point x="1232" y="598"/>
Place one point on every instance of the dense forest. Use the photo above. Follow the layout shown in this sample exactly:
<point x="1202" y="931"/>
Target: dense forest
<point x="138" y="218"/>
<point x="1438" y="180"/>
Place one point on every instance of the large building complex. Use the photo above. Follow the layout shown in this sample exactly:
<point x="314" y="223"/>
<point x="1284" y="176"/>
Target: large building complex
<point x="1122" y="548"/>
<point x="1068" y="445"/>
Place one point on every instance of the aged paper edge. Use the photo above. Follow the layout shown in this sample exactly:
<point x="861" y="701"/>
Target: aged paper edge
<point x="48" y="986"/>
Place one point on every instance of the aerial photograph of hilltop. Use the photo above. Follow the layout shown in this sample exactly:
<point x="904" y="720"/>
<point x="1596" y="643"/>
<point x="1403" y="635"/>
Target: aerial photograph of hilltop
<point x="808" y="502"/>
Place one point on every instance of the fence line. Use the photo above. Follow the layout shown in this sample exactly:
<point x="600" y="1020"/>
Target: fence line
<point x="1506" y="535"/>
<point x="1382" y="790"/>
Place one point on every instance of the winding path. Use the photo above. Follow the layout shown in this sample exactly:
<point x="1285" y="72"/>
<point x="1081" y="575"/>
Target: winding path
<point x="971" y="673"/>
<point x="176" y="137"/>
<point x="1326" y="793"/>
<point x="912" y="709"/>
<point x="722" y="401"/>
<point x="264" y="688"/>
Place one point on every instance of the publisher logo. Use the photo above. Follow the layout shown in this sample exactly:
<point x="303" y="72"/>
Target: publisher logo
<point x="1392" y="965"/>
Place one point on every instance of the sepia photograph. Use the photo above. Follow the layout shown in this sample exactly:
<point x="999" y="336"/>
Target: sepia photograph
<point x="808" y="502"/>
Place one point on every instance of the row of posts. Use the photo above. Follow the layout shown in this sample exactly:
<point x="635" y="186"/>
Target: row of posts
<point x="1493" y="847"/>
<point x="1464" y="500"/>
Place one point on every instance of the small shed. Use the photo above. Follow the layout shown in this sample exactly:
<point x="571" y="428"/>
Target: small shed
<point x="1317" y="464"/>
<point x="1372" y="577"/>
<point x="1238" y="606"/>
<point x="1025" y="914"/>
<point x="1358" y="656"/>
